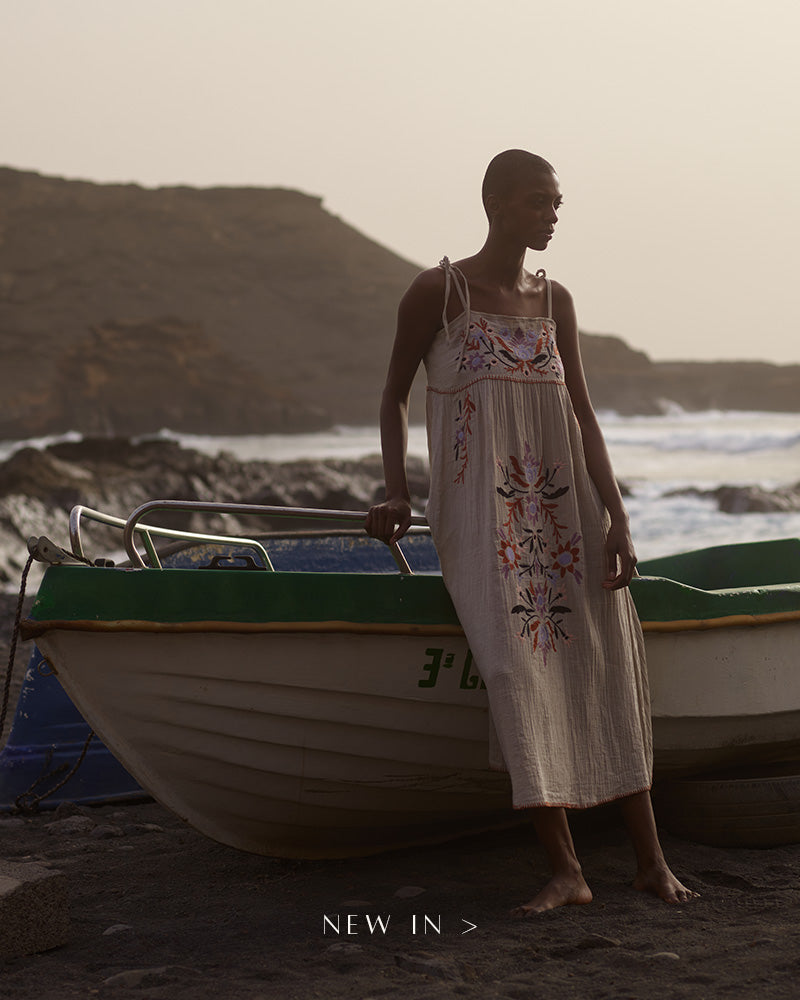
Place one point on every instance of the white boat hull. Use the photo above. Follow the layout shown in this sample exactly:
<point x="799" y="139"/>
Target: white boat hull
<point x="262" y="741"/>
<point x="724" y="696"/>
<point x="265" y="740"/>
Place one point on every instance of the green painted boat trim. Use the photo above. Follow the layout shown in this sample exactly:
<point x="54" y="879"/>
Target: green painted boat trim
<point x="94" y="594"/>
<point x="231" y="600"/>
<point x="749" y="580"/>
<point x="660" y="600"/>
<point x="732" y="567"/>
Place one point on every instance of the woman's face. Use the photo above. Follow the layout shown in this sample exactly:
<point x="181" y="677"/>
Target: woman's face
<point x="529" y="213"/>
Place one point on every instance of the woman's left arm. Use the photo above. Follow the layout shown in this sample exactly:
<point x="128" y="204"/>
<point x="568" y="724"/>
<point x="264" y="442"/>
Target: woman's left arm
<point x="620" y="555"/>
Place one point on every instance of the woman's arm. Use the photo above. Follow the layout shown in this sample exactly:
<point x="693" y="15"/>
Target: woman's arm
<point x="418" y="319"/>
<point x="620" y="555"/>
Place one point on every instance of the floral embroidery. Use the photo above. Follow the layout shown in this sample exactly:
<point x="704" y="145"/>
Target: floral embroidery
<point x="516" y="350"/>
<point x="463" y="431"/>
<point x="535" y="549"/>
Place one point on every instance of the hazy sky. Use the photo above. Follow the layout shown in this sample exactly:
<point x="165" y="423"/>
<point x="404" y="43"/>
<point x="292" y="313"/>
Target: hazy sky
<point x="674" y="127"/>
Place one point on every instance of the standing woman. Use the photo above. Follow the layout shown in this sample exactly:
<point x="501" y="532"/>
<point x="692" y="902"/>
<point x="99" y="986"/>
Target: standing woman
<point x="530" y="527"/>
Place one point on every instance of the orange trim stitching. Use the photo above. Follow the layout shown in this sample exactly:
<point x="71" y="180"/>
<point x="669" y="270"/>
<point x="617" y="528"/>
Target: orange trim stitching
<point x="495" y="378"/>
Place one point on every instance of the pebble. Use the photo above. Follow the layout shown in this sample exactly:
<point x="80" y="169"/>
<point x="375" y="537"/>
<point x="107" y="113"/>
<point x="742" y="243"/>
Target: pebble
<point x="409" y="891"/>
<point x="425" y="964"/>
<point x="71" y="824"/>
<point x="66" y="809"/>
<point x="132" y="978"/>
<point x="345" y="956"/>
<point x="11" y="822"/>
<point x="136" y="829"/>
<point x="598" y="941"/>
<point x="105" y="832"/>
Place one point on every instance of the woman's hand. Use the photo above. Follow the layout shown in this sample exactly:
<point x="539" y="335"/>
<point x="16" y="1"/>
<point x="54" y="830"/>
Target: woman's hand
<point x="620" y="556"/>
<point x="388" y="521"/>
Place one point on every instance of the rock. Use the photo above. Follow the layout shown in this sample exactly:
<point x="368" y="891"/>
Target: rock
<point x="99" y="328"/>
<point x="99" y="325"/>
<point x="34" y="472"/>
<point x="597" y="941"/>
<point x="33" y="909"/>
<point x="409" y="891"/>
<point x="134" y="829"/>
<point x="106" y="832"/>
<point x="65" y="809"/>
<point x="11" y="823"/>
<point x="116" y="475"/>
<point x="71" y="825"/>
<point x="627" y="381"/>
<point x="750" y="499"/>
<point x="424" y="963"/>
<point x="747" y="499"/>
<point x="134" y="978"/>
<point x="344" y="956"/>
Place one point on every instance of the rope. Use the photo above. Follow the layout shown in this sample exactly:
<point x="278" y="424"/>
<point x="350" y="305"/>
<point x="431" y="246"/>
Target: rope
<point x="27" y="802"/>
<point x="13" y="650"/>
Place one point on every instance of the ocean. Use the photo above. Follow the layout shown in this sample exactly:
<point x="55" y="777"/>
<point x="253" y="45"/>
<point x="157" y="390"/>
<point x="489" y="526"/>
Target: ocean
<point x="654" y="456"/>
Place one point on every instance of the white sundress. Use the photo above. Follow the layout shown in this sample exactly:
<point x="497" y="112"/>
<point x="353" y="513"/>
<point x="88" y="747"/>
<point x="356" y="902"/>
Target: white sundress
<point x="520" y="531"/>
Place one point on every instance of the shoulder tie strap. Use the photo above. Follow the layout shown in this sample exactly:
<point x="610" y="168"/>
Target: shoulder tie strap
<point x="453" y="275"/>
<point x="541" y="273"/>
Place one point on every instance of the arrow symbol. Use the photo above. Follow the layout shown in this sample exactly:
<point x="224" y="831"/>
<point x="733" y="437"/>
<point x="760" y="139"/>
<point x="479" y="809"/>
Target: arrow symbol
<point x="470" y="928"/>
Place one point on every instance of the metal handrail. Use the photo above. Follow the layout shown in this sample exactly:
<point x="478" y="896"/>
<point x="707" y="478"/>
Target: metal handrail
<point x="146" y="531"/>
<point x="244" y="509"/>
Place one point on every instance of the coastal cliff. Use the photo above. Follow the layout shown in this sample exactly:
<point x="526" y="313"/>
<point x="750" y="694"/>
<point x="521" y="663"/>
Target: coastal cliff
<point x="233" y="310"/>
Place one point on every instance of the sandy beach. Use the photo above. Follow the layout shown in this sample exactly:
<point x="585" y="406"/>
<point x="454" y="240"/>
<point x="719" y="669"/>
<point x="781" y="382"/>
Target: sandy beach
<point x="157" y="910"/>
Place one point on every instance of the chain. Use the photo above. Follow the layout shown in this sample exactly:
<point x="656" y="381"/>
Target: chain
<point x="27" y="802"/>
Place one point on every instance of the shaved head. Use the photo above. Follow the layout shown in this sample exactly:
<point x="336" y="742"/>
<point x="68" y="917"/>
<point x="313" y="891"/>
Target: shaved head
<point x="506" y="169"/>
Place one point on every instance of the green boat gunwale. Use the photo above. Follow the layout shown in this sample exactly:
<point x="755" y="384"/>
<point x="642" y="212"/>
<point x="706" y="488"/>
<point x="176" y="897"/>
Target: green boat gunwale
<point x="125" y="599"/>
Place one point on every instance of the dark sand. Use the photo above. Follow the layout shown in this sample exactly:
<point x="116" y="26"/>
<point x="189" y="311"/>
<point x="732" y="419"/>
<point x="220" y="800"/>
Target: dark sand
<point x="186" y="917"/>
<point x="215" y="922"/>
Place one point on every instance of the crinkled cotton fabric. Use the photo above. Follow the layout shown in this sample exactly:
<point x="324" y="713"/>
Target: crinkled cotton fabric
<point x="520" y="531"/>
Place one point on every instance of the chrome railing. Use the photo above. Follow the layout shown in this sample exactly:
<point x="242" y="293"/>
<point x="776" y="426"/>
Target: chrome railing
<point x="246" y="510"/>
<point x="147" y="531"/>
<point x="132" y="527"/>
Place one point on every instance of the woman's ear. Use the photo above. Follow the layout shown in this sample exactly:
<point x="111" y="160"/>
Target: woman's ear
<point x="492" y="205"/>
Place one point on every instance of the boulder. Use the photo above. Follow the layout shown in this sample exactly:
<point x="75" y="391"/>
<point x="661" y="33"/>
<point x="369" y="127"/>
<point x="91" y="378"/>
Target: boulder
<point x="33" y="909"/>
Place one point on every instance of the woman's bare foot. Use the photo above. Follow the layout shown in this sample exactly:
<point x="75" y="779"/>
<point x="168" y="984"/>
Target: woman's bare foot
<point x="561" y="890"/>
<point x="662" y="883"/>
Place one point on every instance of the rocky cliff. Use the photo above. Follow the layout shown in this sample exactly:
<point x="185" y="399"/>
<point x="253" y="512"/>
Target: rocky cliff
<point x="125" y="309"/>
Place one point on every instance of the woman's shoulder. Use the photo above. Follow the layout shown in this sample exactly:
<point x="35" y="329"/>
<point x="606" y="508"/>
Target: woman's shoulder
<point x="426" y="289"/>
<point x="562" y="298"/>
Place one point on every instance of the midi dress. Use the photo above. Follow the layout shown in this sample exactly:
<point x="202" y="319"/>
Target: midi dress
<point x="520" y="531"/>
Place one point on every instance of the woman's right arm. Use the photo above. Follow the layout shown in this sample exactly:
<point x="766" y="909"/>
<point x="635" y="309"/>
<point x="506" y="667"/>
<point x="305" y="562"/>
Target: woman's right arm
<point x="418" y="319"/>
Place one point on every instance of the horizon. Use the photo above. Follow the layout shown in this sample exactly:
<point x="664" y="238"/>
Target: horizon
<point x="668" y="128"/>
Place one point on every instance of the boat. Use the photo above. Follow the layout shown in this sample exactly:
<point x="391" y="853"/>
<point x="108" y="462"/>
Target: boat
<point x="306" y="695"/>
<point x="721" y="627"/>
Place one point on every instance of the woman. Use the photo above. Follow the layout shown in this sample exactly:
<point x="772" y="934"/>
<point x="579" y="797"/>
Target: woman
<point x="530" y="527"/>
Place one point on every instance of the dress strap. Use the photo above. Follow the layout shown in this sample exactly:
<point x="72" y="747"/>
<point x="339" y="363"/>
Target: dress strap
<point x="453" y="277"/>
<point x="541" y="273"/>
